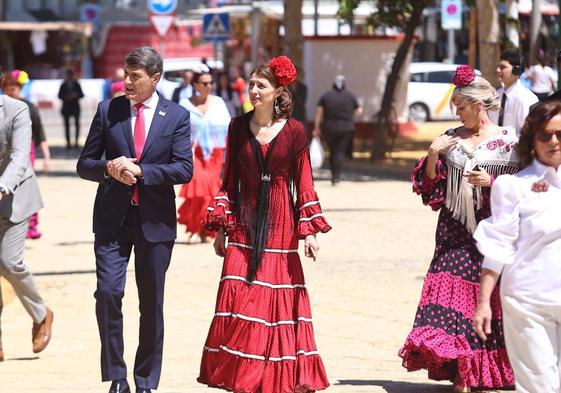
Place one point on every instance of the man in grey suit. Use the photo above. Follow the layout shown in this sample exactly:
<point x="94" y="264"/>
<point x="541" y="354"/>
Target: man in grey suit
<point x="19" y="199"/>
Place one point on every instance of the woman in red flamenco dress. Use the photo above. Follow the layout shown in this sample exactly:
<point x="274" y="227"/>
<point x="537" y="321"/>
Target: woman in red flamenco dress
<point x="261" y="339"/>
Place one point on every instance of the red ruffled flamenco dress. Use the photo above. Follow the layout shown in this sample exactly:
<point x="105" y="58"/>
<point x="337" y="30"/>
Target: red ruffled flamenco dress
<point x="199" y="192"/>
<point x="261" y="339"/>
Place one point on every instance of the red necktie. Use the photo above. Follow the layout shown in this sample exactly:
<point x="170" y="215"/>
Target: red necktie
<point x="139" y="140"/>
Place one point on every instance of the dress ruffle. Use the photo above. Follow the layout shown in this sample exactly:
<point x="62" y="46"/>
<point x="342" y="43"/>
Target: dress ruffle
<point x="220" y="214"/>
<point x="432" y="191"/>
<point x="243" y="375"/>
<point x="432" y="349"/>
<point x="310" y="217"/>
<point x="261" y="339"/>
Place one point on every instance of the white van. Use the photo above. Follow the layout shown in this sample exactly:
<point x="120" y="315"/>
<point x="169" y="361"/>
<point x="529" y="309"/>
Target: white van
<point x="174" y="68"/>
<point x="429" y="90"/>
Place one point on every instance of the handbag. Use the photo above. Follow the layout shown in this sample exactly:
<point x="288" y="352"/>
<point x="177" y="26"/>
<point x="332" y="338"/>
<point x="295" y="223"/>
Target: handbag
<point x="316" y="153"/>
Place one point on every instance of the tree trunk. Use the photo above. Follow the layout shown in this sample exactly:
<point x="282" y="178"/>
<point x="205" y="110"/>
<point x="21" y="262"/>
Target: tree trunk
<point x="293" y="38"/>
<point x="489" y="39"/>
<point x="535" y="25"/>
<point x="385" y="121"/>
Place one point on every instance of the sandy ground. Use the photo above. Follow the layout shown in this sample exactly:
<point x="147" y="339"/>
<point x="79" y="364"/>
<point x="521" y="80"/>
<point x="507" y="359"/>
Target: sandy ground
<point x="364" y="290"/>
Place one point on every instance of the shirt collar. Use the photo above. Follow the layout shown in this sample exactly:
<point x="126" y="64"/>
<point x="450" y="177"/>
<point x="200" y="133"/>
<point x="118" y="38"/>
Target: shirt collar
<point x="512" y="87"/>
<point x="542" y="170"/>
<point x="150" y="102"/>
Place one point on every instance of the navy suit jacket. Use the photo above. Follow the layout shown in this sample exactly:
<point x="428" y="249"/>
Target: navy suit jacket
<point x="166" y="160"/>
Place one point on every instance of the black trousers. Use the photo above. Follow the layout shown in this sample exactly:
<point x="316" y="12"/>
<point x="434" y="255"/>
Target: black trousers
<point x="338" y="144"/>
<point x="67" y="117"/>
<point x="151" y="263"/>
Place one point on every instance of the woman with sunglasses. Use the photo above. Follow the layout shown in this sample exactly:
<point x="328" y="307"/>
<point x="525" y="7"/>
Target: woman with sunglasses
<point x="521" y="243"/>
<point x="209" y="126"/>
<point x="455" y="178"/>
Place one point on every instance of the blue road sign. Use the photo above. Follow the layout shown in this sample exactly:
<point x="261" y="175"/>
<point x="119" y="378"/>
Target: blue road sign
<point x="216" y="27"/>
<point x="162" y="6"/>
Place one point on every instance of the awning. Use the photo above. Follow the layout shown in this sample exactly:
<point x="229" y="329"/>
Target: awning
<point x="84" y="28"/>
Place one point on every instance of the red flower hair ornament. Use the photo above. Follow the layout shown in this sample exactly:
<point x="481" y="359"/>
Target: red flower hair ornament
<point x="284" y="70"/>
<point x="464" y="75"/>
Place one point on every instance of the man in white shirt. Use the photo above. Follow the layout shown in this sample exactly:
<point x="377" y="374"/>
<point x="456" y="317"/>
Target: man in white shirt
<point x="516" y="100"/>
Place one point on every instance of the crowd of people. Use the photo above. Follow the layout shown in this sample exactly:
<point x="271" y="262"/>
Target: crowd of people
<point x="489" y="315"/>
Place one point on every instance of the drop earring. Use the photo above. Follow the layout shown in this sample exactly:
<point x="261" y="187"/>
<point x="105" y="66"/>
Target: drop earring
<point x="277" y="108"/>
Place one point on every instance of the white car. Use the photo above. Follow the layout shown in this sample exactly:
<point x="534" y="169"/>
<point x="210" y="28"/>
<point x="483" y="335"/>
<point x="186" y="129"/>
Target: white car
<point x="429" y="90"/>
<point x="174" y="68"/>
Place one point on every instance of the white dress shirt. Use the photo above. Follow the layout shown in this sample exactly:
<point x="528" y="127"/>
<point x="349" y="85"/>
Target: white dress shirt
<point x="149" y="109"/>
<point x="518" y="102"/>
<point x="522" y="237"/>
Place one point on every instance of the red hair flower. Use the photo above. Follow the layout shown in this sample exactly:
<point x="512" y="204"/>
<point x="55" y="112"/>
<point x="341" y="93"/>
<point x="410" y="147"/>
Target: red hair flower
<point x="284" y="70"/>
<point x="464" y="75"/>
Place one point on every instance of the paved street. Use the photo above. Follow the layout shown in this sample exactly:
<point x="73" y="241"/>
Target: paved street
<point x="364" y="289"/>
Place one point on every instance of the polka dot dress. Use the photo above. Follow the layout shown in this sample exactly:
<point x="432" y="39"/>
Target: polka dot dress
<point x="442" y="340"/>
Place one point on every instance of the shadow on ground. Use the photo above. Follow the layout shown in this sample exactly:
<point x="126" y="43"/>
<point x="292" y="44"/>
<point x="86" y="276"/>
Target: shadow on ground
<point x="396" y="386"/>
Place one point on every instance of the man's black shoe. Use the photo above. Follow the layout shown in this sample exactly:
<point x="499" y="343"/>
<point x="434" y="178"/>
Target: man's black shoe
<point x="120" y="386"/>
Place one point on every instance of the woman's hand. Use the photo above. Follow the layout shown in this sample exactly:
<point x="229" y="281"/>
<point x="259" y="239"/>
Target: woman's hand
<point x="482" y="319"/>
<point x="311" y="247"/>
<point x="442" y="144"/>
<point x="220" y="243"/>
<point x="479" y="178"/>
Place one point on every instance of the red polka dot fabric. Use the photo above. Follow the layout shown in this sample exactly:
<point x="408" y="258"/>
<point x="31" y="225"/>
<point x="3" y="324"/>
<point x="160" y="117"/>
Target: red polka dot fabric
<point x="261" y="339"/>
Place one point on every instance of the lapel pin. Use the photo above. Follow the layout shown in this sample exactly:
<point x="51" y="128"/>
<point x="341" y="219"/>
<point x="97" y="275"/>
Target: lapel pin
<point x="161" y="113"/>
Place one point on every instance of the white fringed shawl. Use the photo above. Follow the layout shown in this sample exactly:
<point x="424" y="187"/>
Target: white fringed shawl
<point x="496" y="155"/>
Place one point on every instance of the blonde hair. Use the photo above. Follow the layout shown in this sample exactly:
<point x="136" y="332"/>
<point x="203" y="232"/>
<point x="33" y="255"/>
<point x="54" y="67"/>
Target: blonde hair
<point x="479" y="91"/>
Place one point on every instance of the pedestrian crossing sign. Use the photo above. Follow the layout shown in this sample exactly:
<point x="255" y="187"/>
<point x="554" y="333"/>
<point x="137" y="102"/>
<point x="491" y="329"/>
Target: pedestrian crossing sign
<point x="216" y="26"/>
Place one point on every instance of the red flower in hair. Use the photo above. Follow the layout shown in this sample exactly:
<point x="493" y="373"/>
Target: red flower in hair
<point x="464" y="76"/>
<point x="284" y="70"/>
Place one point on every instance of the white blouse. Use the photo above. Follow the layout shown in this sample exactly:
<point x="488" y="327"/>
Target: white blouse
<point x="522" y="237"/>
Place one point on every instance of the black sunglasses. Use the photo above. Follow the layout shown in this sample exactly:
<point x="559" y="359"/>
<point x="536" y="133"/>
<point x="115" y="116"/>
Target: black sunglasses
<point x="206" y="83"/>
<point x="544" y="136"/>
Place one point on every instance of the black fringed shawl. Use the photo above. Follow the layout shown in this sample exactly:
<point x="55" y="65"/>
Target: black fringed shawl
<point x="257" y="220"/>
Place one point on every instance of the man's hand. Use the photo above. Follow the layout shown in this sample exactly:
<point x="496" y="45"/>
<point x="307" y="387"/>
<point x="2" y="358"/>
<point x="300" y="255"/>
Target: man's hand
<point x="123" y="170"/>
<point x="124" y="163"/>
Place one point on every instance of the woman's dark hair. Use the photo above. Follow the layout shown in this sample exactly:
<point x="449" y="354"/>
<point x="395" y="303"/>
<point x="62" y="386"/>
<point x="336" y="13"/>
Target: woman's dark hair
<point x="284" y="101"/>
<point x="197" y="75"/>
<point x="536" y="121"/>
<point x="229" y="88"/>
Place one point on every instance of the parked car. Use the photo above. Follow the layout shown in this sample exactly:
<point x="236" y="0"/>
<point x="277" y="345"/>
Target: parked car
<point x="429" y="90"/>
<point x="174" y="68"/>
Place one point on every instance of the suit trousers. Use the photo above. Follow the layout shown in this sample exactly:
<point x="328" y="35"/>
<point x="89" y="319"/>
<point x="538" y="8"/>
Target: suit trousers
<point x="15" y="271"/>
<point x="151" y="263"/>
<point x="533" y="339"/>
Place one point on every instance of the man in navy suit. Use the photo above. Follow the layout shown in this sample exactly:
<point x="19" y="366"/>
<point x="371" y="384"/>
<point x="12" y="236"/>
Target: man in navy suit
<point x="138" y="147"/>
